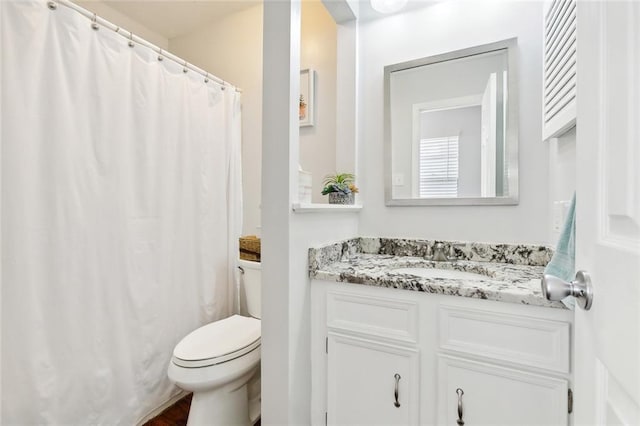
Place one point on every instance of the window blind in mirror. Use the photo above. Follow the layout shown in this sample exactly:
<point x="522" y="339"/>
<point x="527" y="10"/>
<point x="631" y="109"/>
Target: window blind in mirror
<point x="438" y="167"/>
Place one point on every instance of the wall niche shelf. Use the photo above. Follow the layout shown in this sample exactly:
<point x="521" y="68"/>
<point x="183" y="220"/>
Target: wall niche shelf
<point x="328" y="208"/>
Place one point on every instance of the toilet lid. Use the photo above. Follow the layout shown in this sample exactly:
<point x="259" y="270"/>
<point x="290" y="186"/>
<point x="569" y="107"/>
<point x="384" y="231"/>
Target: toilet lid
<point x="228" y="339"/>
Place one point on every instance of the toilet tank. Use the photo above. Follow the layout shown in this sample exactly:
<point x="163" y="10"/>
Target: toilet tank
<point x="251" y="279"/>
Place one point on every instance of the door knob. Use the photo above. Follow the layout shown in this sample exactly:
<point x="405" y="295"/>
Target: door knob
<point x="556" y="289"/>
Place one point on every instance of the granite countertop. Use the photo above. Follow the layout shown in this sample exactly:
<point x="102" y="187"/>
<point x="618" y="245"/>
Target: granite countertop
<point x="510" y="273"/>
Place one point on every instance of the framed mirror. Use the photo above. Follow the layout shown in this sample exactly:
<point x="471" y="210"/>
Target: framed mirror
<point x="451" y="128"/>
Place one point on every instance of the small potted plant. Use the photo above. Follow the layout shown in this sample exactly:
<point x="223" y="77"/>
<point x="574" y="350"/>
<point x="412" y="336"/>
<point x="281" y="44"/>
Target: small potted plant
<point x="340" y="188"/>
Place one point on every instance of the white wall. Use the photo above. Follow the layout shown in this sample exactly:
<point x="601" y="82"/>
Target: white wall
<point x="318" y="51"/>
<point x="346" y="96"/>
<point x="286" y="358"/>
<point x="1" y="244"/>
<point x="105" y="11"/>
<point x="441" y="28"/>
<point x="562" y="174"/>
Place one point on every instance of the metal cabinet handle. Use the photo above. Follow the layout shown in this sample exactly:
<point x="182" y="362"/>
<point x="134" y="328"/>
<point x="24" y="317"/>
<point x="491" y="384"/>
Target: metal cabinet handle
<point x="556" y="289"/>
<point x="460" y="421"/>
<point x="395" y="392"/>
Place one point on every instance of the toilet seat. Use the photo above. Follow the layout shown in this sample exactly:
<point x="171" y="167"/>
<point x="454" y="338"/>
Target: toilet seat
<point x="218" y="342"/>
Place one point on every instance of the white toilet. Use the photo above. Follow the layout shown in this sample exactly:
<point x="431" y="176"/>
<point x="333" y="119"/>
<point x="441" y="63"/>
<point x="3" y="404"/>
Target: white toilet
<point x="219" y="363"/>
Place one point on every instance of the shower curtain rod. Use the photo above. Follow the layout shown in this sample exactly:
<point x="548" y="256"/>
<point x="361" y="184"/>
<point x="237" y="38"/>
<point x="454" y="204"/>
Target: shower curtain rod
<point x="98" y="21"/>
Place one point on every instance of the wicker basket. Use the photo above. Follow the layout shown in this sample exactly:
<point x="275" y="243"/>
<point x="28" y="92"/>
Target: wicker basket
<point x="250" y="248"/>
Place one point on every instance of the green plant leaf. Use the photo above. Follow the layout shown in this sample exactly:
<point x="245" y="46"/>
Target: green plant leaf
<point x="339" y="179"/>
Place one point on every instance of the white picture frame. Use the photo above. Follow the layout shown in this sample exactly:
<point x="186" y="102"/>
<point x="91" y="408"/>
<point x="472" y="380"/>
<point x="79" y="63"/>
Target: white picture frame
<point x="306" y="113"/>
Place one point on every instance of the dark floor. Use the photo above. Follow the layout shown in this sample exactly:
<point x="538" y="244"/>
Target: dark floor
<point x="176" y="415"/>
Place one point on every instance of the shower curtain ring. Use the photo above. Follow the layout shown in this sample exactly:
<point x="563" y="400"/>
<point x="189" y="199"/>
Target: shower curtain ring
<point x="206" y="77"/>
<point x="185" y="69"/>
<point x="52" y="5"/>
<point x="131" y="43"/>
<point x="94" y="22"/>
<point x="160" y="58"/>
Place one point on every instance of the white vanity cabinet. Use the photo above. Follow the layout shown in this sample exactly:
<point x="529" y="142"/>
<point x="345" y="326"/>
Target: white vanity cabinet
<point x="506" y="364"/>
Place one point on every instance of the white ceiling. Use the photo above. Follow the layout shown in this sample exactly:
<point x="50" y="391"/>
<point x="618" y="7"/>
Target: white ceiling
<point x="174" y="18"/>
<point x="367" y="13"/>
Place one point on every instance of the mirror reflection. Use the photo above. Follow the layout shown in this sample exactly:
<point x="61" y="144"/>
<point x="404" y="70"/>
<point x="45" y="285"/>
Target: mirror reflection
<point x="448" y="128"/>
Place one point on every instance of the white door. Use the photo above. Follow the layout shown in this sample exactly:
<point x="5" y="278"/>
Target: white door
<point x="607" y="348"/>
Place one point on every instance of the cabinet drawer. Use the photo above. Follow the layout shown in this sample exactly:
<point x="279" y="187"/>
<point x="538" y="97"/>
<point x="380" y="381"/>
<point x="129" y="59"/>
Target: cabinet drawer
<point x="371" y="383"/>
<point x="521" y="340"/>
<point x="380" y="317"/>
<point x="498" y="396"/>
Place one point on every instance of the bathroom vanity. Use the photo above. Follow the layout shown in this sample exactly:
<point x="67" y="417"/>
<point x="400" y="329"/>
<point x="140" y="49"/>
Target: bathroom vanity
<point x="401" y="340"/>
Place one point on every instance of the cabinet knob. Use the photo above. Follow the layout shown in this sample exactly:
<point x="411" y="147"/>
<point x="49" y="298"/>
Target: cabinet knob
<point x="395" y="392"/>
<point x="460" y="420"/>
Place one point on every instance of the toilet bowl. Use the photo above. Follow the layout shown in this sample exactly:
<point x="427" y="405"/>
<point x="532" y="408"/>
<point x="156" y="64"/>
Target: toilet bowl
<point x="219" y="362"/>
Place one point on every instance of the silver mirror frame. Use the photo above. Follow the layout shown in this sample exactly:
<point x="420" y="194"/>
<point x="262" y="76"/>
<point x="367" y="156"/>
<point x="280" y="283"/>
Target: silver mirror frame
<point x="511" y="140"/>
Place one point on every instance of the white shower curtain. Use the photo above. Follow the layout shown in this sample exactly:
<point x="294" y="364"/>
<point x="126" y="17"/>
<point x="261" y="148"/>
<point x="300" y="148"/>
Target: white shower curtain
<point x="120" y="215"/>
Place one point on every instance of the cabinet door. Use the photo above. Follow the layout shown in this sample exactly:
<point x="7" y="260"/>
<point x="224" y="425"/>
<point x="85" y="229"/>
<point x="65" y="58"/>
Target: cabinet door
<point x="495" y="395"/>
<point x="362" y="382"/>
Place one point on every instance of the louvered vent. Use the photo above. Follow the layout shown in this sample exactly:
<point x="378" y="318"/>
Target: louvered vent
<point x="559" y="101"/>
